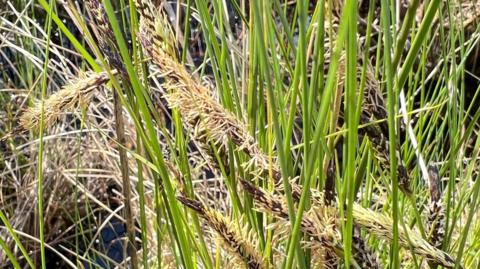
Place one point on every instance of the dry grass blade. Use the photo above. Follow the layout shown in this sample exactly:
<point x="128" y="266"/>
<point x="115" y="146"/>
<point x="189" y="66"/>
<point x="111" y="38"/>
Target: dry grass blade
<point x="77" y="92"/>
<point x="243" y="248"/>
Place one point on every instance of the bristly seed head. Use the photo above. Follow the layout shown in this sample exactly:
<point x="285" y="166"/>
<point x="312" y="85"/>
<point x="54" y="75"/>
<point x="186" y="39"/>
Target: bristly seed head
<point x="76" y="92"/>
<point x="242" y="247"/>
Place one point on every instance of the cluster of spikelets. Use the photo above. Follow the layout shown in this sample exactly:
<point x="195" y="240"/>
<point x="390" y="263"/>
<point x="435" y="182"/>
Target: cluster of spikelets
<point x="76" y="93"/>
<point x="235" y="239"/>
<point x="210" y="123"/>
<point x="207" y="120"/>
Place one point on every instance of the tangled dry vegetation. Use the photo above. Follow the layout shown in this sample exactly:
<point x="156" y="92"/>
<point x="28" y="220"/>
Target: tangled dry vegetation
<point x="149" y="157"/>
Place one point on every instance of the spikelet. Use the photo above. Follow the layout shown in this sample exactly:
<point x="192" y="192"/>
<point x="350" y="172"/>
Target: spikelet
<point x="319" y="226"/>
<point x="325" y="259"/>
<point x="101" y="21"/>
<point x="105" y="36"/>
<point x="242" y="248"/>
<point x="373" y="108"/>
<point x="76" y="92"/>
<point x="157" y="28"/>
<point x="380" y="147"/>
<point x="320" y="223"/>
<point x="436" y="212"/>
<point x="324" y="222"/>
<point x="204" y="116"/>
<point x="373" y="222"/>
<point x="330" y="184"/>
<point x="382" y="225"/>
<point x="362" y="253"/>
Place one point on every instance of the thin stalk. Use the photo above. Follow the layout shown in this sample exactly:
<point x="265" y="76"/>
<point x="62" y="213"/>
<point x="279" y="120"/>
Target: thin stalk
<point x="17" y="241"/>
<point x="417" y="42"/>
<point x="352" y="121"/>
<point x="391" y="99"/>
<point x="404" y="32"/>
<point x="153" y="148"/>
<point x="130" y="223"/>
<point x="44" y="86"/>
<point x="141" y="201"/>
<point x="8" y="252"/>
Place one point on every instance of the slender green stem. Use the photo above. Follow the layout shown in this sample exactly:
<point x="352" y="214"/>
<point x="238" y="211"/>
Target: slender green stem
<point x="391" y="99"/>
<point x="40" y="176"/>
<point x="352" y="125"/>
